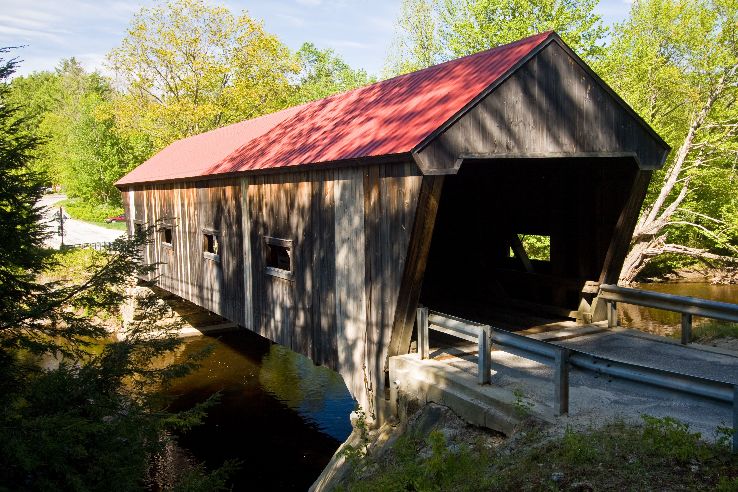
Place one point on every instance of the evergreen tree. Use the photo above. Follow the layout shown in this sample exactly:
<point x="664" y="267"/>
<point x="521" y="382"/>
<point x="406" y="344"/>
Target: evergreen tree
<point x="77" y="410"/>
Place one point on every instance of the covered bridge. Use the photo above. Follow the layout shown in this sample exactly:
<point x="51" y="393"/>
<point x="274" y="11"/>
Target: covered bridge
<point x="321" y="227"/>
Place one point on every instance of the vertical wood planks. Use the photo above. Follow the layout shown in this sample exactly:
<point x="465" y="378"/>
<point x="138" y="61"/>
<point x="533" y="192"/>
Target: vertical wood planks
<point x="417" y="256"/>
<point x="350" y="286"/>
<point x="350" y="229"/>
<point x="248" y="307"/>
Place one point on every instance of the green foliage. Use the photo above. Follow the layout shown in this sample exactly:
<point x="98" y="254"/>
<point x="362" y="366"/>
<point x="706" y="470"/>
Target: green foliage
<point x="537" y="247"/>
<point x="469" y="26"/>
<point x="82" y="210"/>
<point x="323" y="73"/>
<point x="199" y="479"/>
<point x="674" y="62"/>
<point x="431" y="31"/>
<point x="616" y="456"/>
<point x="672" y="438"/>
<point x="82" y="149"/>
<point x="438" y="468"/>
<point x="21" y="231"/>
<point x="78" y="411"/>
<point x="356" y="454"/>
<point x="522" y="406"/>
<point x="186" y="67"/>
<point x="416" y="42"/>
<point x="713" y="329"/>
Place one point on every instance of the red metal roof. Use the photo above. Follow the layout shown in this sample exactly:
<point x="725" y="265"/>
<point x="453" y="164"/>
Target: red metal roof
<point x="386" y="118"/>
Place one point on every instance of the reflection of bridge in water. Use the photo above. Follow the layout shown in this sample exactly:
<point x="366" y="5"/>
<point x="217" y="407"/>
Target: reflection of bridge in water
<point x="276" y="411"/>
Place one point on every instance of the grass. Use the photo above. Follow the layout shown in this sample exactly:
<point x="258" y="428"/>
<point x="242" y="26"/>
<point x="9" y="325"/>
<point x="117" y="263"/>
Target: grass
<point x="712" y="329"/>
<point x="95" y="214"/>
<point x="661" y="454"/>
<point x="72" y="266"/>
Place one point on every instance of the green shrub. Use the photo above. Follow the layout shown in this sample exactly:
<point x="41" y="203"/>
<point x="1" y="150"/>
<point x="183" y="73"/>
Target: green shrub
<point x="80" y="210"/>
<point x="671" y="438"/>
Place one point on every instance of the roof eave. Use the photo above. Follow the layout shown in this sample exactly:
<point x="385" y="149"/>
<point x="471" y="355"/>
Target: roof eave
<point x="312" y="166"/>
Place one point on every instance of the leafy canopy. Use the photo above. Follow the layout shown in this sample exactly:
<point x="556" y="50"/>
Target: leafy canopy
<point x="187" y="67"/>
<point x="432" y="31"/>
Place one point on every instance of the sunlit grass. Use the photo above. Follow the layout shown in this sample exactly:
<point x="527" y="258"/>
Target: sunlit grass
<point x="713" y="329"/>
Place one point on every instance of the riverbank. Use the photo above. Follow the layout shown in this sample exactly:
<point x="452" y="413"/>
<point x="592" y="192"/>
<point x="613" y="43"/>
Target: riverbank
<point x="697" y="273"/>
<point x="436" y="450"/>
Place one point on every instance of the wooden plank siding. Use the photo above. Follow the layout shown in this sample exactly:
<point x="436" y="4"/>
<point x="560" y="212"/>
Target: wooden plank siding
<point x="350" y="230"/>
<point x="550" y="107"/>
<point x="191" y="208"/>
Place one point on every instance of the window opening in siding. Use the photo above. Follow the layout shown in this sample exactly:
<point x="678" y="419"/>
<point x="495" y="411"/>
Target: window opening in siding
<point x="210" y="245"/>
<point x="536" y="247"/>
<point x="279" y="260"/>
<point x="166" y="236"/>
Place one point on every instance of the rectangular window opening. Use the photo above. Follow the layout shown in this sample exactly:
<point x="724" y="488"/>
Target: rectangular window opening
<point x="210" y="245"/>
<point x="167" y="236"/>
<point x="537" y="247"/>
<point x="279" y="257"/>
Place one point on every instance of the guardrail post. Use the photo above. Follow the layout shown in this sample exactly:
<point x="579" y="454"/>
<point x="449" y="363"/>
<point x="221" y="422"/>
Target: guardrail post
<point x="423" y="345"/>
<point x="686" y="328"/>
<point x="561" y="382"/>
<point x="735" y="419"/>
<point x="612" y="314"/>
<point x="485" y="361"/>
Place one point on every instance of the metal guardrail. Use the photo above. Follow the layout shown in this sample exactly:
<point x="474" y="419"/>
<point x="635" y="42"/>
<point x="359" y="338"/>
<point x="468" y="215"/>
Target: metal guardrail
<point x="485" y="335"/>
<point x="687" y="306"/>
<point x="472" y="332"/>
<point x="96" y="246"/>
<point x="562" y="358"/>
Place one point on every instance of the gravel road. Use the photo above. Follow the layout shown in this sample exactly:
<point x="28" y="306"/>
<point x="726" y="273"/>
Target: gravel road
<point x="75" y="231"/>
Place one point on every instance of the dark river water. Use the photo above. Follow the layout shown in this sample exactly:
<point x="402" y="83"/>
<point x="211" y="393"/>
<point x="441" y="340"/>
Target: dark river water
<point x="279" y="415"/>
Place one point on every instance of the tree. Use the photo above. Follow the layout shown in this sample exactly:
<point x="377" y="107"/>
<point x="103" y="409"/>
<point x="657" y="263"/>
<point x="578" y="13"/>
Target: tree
<point x="430" y="31"/>
<point x="186" y="67"/>
<point x="91" y="414"/>
<point x="323" y="73"/>
<point x="675" y="62"/>
<point x="22" y="234"/>
<point x="416" y="42"/>
<point x="82" y="148"/>
<point x="36" y="96"/>
<point x="97" y="154"/>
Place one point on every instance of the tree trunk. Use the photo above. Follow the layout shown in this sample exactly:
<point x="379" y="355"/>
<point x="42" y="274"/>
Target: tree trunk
<point x="649" y="237"/>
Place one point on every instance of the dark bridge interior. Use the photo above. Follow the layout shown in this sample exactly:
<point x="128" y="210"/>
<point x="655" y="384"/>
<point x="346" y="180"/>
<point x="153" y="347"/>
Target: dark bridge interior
<point x="515" y="240"/>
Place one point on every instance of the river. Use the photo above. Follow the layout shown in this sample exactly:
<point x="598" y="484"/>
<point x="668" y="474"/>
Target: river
<point x="279" y="415"/>
<point x="666" y="322"/>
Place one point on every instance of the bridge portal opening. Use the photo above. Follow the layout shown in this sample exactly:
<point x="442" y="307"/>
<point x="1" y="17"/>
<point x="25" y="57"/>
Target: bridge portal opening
<point x="515" y="240"/>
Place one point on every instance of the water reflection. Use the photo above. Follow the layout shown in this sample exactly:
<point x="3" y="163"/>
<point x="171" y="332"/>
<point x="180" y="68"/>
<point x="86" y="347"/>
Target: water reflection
<point x="279" y="414"/>
<point x="666" y="322"/>
<point x="318" y="394"/>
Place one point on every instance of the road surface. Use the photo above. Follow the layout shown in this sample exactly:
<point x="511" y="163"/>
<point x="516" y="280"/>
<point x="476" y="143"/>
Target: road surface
<point x="596" y="399"/>
<point x="75" y="231"/>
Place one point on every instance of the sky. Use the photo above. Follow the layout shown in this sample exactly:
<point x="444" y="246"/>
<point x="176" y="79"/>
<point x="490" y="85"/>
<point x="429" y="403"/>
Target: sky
<point x="358" y="30"/>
